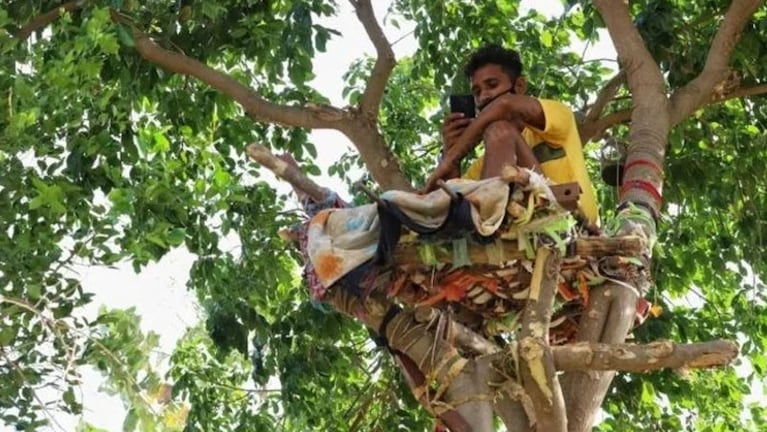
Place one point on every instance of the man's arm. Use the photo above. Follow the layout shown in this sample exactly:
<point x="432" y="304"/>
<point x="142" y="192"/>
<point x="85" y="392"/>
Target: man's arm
<point x="514" y="108"/>
<point x="519" y="110"/>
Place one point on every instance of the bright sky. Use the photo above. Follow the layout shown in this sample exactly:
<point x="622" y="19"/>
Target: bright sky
<point x="159" y="293"/>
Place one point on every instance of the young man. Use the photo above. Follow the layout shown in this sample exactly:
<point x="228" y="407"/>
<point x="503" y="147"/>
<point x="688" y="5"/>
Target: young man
<point x="516" y="129"/>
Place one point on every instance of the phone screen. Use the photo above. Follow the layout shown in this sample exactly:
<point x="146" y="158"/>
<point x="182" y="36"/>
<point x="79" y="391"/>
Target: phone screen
<point x="463" y="104"/>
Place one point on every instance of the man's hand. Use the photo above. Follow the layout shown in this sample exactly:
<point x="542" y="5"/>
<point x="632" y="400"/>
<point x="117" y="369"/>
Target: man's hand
<point x="452" y="128"/>
<point x="442" y="172"/>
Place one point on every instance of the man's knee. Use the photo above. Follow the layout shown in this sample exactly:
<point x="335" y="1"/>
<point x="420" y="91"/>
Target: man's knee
<point x="500" y="135"/>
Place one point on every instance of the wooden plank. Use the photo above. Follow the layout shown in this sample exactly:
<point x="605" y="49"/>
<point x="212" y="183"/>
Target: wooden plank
<point x="567" y="195"/>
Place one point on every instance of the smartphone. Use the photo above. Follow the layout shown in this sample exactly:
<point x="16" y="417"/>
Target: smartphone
<point x="463" y="104"/>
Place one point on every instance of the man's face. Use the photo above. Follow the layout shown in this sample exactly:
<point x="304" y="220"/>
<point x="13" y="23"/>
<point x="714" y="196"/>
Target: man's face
<point x="488" y="82"/>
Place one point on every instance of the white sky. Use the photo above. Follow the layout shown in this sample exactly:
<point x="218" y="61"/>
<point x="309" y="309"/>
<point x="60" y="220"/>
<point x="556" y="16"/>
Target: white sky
<point x="159" y="293"/>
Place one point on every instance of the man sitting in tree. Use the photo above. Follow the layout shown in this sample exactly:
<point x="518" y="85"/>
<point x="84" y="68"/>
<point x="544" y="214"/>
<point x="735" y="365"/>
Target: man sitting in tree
<point x="520" y="130"/>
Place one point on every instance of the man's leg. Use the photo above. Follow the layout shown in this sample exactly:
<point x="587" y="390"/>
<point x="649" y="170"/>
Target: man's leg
<point x="504" y="145"/>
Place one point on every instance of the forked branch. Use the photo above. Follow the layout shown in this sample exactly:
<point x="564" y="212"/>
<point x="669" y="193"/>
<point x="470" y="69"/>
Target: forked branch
<point x="385" y="61"/>
<point x="595" y="129"/>
<point x="257" y="108"/>
<point x="697" y="92"/>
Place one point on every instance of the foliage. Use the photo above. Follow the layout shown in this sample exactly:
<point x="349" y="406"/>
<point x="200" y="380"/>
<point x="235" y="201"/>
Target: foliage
<point x="105" y="158"/>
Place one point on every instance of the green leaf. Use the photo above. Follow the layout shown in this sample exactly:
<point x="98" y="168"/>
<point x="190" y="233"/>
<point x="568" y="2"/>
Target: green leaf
<point x="34" y="290"/>
<point x="156" y="239"/>
<point x="36" y="202"/>
<point x="547" y="39"/>
<point x="69" y="397"/>
<point x="131" y="421"/>
<point x="7" y="335"/>
<point x="125" y="35"/>
<point x="176" y="236"/>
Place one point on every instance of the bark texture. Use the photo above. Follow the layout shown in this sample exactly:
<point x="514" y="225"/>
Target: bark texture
<point x="643" y="358"/>
<point x="607" y="319"/>
<point x="588" y="246"/>
<point x="536" y="362"/>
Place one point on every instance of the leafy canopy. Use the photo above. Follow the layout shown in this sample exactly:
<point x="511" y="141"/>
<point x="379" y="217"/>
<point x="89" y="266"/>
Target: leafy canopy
<point x="106" y="158"/>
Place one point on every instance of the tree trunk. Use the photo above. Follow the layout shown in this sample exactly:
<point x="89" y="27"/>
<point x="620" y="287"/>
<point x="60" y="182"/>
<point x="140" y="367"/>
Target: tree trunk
<point x="608" y="318"/>
<point x="611" y="313"/>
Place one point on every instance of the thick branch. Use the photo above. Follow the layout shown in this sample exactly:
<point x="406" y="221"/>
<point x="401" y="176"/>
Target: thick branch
<point x="259" y="109"/>
<point x="379" y="160"/>
<point x="650" y="124"/>
<point x="698" y="91"/>
<point x="643" y="75"/>
<point x="467" y="339"/>
<point x="593" y="124"/>
<point x="642" y="358"/>
<point x="363" y="133"/>
<point x="607" y="319"/>
<point x="385" y="61"/>
<point x="41" y="21"/>
<point x="585" y="246"/>
<point x="296" y="178"/>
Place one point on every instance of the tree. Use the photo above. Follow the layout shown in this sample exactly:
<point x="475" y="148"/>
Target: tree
<point x="123" y="137"/>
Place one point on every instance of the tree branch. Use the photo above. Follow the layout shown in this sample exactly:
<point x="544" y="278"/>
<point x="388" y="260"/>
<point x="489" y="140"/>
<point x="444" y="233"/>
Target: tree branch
<point x="257" y="108"/>
<point x="642" y="358"/>
<point x="28" y="384"/>
<point x="605" y="96"/>
<point x="698" y="91"/>
<point x="590" y="130"/>
<point x="385" y="61"/>
<point x="363" y="133"/>
<point x="643" y="75"/>
<point x="41" y="21"/>
<point x="593" y="124"/>
<point x="280" y="168"/>
<point x="740" y="92"/>
<point x="407" y="252"/>
<point x="537" y="371"/>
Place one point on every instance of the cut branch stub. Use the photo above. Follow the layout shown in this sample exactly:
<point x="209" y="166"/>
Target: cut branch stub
<point x="290" y="174"/>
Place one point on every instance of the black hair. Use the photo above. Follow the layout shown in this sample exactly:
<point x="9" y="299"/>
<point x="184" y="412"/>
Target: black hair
<point x="507" y="59"/>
